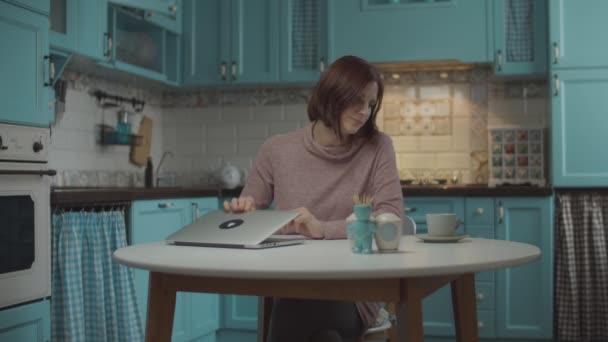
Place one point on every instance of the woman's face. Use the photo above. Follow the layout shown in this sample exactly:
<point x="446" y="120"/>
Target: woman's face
<point x="356" y="115"/>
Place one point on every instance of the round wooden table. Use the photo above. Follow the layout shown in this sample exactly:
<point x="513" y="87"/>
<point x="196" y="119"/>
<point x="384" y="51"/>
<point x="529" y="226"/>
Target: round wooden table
<point x="326" y="269"/>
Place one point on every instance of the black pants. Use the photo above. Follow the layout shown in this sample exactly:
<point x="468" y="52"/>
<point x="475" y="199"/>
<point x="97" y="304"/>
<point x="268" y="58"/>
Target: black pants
<point x="297" y="320"/>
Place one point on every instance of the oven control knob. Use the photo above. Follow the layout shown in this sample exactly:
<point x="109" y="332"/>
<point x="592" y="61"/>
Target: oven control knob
<point x="38" y="146"/>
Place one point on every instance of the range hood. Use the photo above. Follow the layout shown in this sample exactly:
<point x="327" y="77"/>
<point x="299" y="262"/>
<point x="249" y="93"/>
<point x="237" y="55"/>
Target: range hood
<point x="435" y="65"/>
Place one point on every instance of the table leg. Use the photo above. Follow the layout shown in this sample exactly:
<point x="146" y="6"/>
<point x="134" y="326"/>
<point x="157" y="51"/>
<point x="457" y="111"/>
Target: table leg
<point x="161" y="307"/>
<point x="465" y="308"/>
<point x="264" y="313"/>
<point x="409" y="316"/>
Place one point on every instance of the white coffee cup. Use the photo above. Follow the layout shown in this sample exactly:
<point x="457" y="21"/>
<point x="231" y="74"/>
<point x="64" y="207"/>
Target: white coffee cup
<point x="388" y="233"/>
<point x="442" y="224"/>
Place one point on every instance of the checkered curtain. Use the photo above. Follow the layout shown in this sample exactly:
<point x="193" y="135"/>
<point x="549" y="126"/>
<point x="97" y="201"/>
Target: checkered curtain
<point x="520" y="30"/>
<point x="581" y="261"/>
<point x="93" y="298"/>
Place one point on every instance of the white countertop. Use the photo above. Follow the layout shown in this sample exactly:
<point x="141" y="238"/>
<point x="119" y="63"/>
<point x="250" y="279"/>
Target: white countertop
<point x="330" y="259"/>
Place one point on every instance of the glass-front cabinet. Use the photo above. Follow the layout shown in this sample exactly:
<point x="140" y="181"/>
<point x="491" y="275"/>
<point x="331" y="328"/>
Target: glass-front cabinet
<point x="520" y="37"/>
<point x="143" y="48"/>
<point x="303" y="47"/>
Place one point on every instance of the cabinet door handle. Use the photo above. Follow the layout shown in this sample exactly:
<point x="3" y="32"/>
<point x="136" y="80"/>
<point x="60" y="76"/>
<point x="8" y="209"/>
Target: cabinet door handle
<point x="479" y="211"/>
<point x="556" y="85"/>
<point x="555" y="53"/>
<point x="409" y="210"/>
<point x="501" y="213"/>
<point x="322" y="64"/>
<point x="194" y="212"/>
<point x="233" y="70"/>
<point x="173" y="8"/>
<point x="223" y="70"/>
<point x="499" y="60"/>
<point x="51" y="71"/>
<point x="165" y="205"/>
<point x="480" y="297"/>
<point x="480" y="324"/>
<point x="108" y="49"/>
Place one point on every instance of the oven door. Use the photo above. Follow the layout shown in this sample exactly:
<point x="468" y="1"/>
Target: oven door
<point x="25" y="261"/>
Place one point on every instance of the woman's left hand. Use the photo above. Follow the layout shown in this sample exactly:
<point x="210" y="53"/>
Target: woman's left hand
<point x="307" y="224"/>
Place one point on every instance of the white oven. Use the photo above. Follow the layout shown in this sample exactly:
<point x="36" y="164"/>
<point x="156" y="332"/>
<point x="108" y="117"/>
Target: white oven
<point x="25" y="260"/>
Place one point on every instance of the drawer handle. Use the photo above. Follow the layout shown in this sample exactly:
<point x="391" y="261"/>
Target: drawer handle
<point x="479" y="211"/>
<point x="480" y="297"/>
<point x="409" y="210"/>
<point x="165" y="205"/>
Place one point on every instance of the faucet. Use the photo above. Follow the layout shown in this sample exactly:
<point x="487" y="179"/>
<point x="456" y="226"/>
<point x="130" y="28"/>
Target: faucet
<point x="162" y="159"/>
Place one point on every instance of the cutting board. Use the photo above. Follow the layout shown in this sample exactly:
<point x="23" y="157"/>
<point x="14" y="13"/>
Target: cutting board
<point x="140" y="153"/>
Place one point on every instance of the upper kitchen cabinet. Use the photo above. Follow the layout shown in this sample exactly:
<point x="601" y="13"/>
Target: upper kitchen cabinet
<point x="25" y="66"/>
<point x="164" y="13"/>
<point x="579" y="122"/>
<point x="80" y="26"/>
<point x="409" y="30"/>
<point x="576" y="33"/>
<point x="230" y="42"/>
<point x="142" y="48"/>
<point x="303" y="35"/>
<point x="41" y="6"/>
<point x="520" y="37"/>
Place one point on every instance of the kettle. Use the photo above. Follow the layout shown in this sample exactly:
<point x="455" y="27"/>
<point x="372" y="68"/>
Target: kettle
<point x="229" y="176"/>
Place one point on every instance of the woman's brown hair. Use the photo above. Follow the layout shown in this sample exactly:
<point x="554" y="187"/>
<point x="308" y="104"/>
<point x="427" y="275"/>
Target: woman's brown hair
<point x="340" y="87"/>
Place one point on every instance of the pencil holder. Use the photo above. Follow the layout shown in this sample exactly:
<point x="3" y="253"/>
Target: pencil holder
<point x="361" y="230"/>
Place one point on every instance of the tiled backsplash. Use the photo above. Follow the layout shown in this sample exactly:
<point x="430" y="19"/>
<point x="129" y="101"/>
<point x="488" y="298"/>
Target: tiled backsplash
<point x="438" y="121"/>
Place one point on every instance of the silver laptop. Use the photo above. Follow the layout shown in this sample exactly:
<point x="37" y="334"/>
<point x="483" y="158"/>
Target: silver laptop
<point x="253" y="229"/>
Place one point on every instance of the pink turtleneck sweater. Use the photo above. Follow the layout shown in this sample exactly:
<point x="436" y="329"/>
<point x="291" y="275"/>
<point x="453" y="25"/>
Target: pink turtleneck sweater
<point x="295" y="171"/>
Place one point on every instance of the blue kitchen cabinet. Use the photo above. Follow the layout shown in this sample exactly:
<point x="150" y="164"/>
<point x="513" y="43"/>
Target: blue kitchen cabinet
<point x="511" y="303"/>
<point x="240" y="312"/>
<point x="520" y="37"/>
<point x="205" y="314"/>
<point x="569" y="21"/>
<point x="230" y="42"/>
<point x="165" y="13"/>
<point x="63" y="17"/>
<point x="40" y="6"/>
<point x="143" y="48"/>
<point x="405" y="31"/>
<point x="80" y="26"/>
<point x="303" y="40"/>
<point x="153" y="221"/>
<point x="578" y="127"/>
<point x="197" y="315"/>
<point x="26" y="323"/>
<point x="25" y="85"/>
<point x="524" y="294"/>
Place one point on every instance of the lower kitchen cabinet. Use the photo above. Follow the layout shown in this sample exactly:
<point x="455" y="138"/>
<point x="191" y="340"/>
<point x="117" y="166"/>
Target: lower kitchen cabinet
<point x="196" y="314"/>
<point x="26" y="323"/>
<point x="524" y="294"/>
<point x="512" y="303"/>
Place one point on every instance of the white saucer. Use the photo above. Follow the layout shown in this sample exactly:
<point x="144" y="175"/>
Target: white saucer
<point x="429" y="238"/>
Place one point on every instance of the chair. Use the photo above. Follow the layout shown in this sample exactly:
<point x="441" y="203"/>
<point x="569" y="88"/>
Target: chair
<point x="386" y="331"/>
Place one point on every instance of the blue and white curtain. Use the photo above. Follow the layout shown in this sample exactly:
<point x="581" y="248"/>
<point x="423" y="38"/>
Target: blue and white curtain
<point x="93" y="297"/>
<point x="581" y="266"/>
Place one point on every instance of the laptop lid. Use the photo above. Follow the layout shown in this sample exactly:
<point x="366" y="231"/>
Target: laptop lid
<point x="243" y="230"/>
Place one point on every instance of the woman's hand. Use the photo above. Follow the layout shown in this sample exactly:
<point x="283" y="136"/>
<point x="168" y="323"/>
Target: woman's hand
<point x="305" y="224"/>
<point x="240" y="204"/>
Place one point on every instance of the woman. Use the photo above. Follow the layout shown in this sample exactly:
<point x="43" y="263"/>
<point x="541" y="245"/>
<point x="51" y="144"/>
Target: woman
<point x="316" y="170"/>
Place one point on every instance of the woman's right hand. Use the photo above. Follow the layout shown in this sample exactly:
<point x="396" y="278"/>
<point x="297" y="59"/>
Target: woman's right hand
<point x="240" y="205"/>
